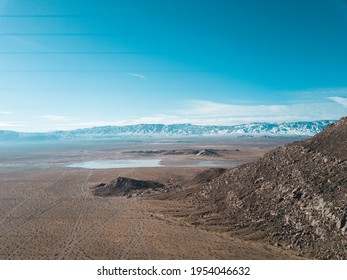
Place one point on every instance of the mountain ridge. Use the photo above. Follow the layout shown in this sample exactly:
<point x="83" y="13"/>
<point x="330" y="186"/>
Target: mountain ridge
<point x="301" y="129"/>
<point x="293" y="196"/>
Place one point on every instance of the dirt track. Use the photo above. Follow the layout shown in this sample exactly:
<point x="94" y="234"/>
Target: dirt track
<point x="52" y="214"/>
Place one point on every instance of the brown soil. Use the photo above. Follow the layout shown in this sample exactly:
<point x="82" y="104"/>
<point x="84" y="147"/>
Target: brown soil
<point x="52" y="214"/>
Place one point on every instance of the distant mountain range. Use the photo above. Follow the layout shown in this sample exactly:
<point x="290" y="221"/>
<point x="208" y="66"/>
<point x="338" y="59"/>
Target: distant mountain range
<point x="303" y="129"/>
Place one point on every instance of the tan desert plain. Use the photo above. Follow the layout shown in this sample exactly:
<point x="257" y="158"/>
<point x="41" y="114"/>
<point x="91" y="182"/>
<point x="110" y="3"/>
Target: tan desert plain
<point x="205" y="198"/>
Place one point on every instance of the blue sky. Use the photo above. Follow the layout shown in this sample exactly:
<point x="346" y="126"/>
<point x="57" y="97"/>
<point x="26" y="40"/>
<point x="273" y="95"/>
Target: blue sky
<point x="72" y="64"/>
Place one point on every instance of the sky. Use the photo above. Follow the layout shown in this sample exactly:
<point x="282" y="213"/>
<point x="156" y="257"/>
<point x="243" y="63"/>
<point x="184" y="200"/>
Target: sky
<point x="74" y="64"/>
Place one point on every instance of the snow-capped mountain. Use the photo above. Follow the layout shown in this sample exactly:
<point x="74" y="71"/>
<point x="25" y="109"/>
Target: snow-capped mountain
<point x="160" y="130"/>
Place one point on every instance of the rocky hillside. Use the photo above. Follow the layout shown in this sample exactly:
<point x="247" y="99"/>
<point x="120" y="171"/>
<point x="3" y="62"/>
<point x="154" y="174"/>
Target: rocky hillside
<point x="293" y="197"/>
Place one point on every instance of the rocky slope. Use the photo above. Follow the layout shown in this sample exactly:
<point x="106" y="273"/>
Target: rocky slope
<point x="294" y="196"/>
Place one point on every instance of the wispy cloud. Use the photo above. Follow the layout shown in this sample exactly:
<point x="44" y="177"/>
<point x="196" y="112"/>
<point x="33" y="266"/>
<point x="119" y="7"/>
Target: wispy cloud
<point x="94" y="124"/>
<point x="136" y="75"/>
<point x="213" y="109"/>
<point x="54" y="118"/>
<point x="330" y="104"/>
<point x="161" y="119"/>
<point x="340" y="100"/>
<point x="207" y="112"/>
<point x="11" y="125"/>
<point x="204" y="112"/>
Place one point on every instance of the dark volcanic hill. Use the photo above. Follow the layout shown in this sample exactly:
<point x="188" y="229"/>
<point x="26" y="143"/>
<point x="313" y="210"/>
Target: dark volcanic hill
<point x="123" y="186"/>
<point x="294" y="196"/>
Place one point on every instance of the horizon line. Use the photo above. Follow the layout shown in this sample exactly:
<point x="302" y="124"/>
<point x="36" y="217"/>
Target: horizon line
<point x="171" y="124"/>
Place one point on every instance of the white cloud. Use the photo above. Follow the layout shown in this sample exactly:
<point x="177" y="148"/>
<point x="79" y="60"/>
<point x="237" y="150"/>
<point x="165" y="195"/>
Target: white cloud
<point x="94" y="124"/>
<point x="202" y="112"/>
<point x="11" y="125"/>
<point x="213" y="109"/>
<point x="137" y="75"/>
<point x="160" y="119"/>
<point x="329" y="104"/>
<point x="207" y="112"/>
<point x="54" y="118"/>
<point x="340" y="100"/>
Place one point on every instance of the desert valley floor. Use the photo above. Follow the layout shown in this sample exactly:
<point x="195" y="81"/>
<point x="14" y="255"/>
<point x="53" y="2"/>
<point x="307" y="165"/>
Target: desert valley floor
<point x="48" y="211"/>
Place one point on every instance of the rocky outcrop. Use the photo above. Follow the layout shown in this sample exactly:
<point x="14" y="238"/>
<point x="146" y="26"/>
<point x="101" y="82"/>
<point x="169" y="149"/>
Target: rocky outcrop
<point x="203" y="152"/>
<point x="123" y="186"/>
<point x="208" y="153"/>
